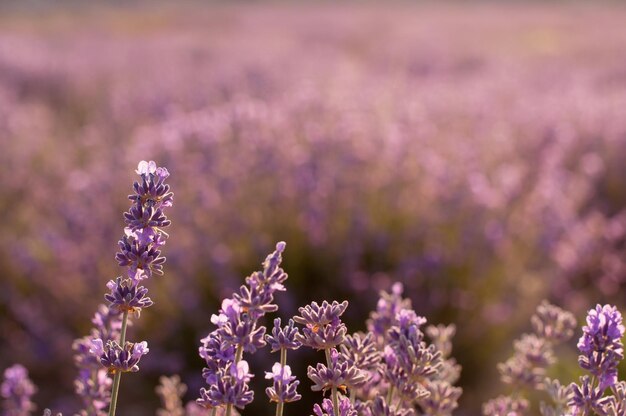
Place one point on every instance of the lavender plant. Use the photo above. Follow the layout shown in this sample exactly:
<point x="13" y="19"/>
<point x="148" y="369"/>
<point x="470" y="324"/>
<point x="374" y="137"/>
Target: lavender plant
<point x="601" y="351"/>
<point x="526" y="370"/>
<point x="16" y="391"/>
<point x="238" y="331"/>
<point x="107" y="352"/>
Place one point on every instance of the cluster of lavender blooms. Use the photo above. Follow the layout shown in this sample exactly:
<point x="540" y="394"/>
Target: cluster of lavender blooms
<point x="16" y="391"/>
<point x="600" y="348"/>
<point x="105" y="352"/>
<point x="534" y="353"/>
<point x="390" y="371"/>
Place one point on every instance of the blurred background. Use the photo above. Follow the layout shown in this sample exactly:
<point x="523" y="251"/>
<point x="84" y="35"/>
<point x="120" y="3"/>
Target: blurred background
<point x="473" y="151"/>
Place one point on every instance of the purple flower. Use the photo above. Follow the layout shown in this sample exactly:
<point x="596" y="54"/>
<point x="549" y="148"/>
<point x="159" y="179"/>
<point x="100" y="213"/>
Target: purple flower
<point x="587" y="397"/>
<point x="601" y="344"/>
<point x="231" y="387"/>
<point x="361" y="351"/>
<point x="125" y="296"/>
<point x="142" y="258"/>
<point x="238" y="332"/>
<point x="117" y="359"/>
<point x="284" y="385"/>
<point x="506" y="406"/>
<point x="171" y="390"/>
<point x="17" y="390"/>
<point x="387" y="309"/>
<point x="379" y="407"/>
<point x="442" y="398"/>
<point x="345" y="408"/>
<point x="553" y="323"/>
<point x="322" y="327"/>
<point x="152" y="191"/>
<point x="339" y="374"/>
<point x="283" y="338"/>
<point x="94" y="387"/>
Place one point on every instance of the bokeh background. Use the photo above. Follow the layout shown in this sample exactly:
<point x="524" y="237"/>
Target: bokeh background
<point x="473" y="151"/>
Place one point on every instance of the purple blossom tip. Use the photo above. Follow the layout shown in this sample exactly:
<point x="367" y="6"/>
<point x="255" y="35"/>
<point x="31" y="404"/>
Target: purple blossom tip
<point x="280" y="246"/>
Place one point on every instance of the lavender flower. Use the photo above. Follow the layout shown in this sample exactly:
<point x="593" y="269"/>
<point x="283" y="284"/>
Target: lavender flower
<point x="534" y="353"/>
<point x="231" y="387"/>
<point x="126" y="296"/>
<point x="93" y="384"/>
<point x="283" y="338"/>
<point x="322" y="327"/>
<point x="601" y="344"/>
<point x="379" y="407"/>
<point x="339" y="374"/>
<point x="17" y="390"/>
<point x="117" y="359"/>
<point x="284" y="385"/>
<point x="553" y="323"/>
<point x="238" y="332"/>
<point x="560" y="395"/>
<point x="442" y="398"/>
<point x="387" y="308"/>
<point x="345" y="408"/>
<point x="506" y="406"/>
<point x="141" y="254"/>
<point x="170" y="390"/>
<point x="588" y="397"/>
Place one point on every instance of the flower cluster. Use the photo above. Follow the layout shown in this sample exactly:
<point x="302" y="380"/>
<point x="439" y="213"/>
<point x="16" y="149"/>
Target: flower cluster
<point x="238" y="331"/>
<point x="16" y="391"/>
<point x="284" y="388"/>
<point x="93" y="385"/>
<point x="601" y="351"/>
<point x="534" y="353"/>
<point x="105" y="352"/>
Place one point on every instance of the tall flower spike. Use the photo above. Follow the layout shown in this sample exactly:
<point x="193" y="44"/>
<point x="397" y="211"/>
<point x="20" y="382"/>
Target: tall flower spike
<point x="238" y="332"/>
<point x="139" y="251"/>
<point x="93" y="385"/>
<point x="601" y="344"/>
<point x="17" y="390"/>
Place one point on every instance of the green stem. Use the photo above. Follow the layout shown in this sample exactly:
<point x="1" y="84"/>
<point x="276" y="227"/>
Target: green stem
<point x="118" y="374"/>
<point x="238" y="355"/>
<point x="334" y="389"/>
<point x="389" y="395"/>
<point x="283" y="362"/>
<point x="214" y="411"/>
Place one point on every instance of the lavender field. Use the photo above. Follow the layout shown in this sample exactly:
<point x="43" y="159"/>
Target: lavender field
<point x="473" y="152"/>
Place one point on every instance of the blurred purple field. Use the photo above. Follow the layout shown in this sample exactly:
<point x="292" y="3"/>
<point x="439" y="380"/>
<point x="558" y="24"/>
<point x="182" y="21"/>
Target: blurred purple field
<point x="474" y="152"/>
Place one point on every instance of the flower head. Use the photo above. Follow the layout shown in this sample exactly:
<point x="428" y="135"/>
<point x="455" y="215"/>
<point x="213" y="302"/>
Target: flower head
<point x="119" y="359"/>
<point x="283" y="337"/>
<point x="323" y="328"/>
<point x="284" y="385"/>
<point x="17" y="390"/>
<point x="601" y="344"/>
<point x="125" y="296"/>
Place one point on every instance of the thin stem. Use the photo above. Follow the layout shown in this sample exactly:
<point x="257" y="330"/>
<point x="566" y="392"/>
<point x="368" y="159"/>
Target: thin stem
<point x="238" y="355"/>
<point x="389" y="395"/>
<point x="283" y="362"/>
<point x="214" y="411"/>
<point x="334" y="389"/>
<point x="118" y="374"/>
